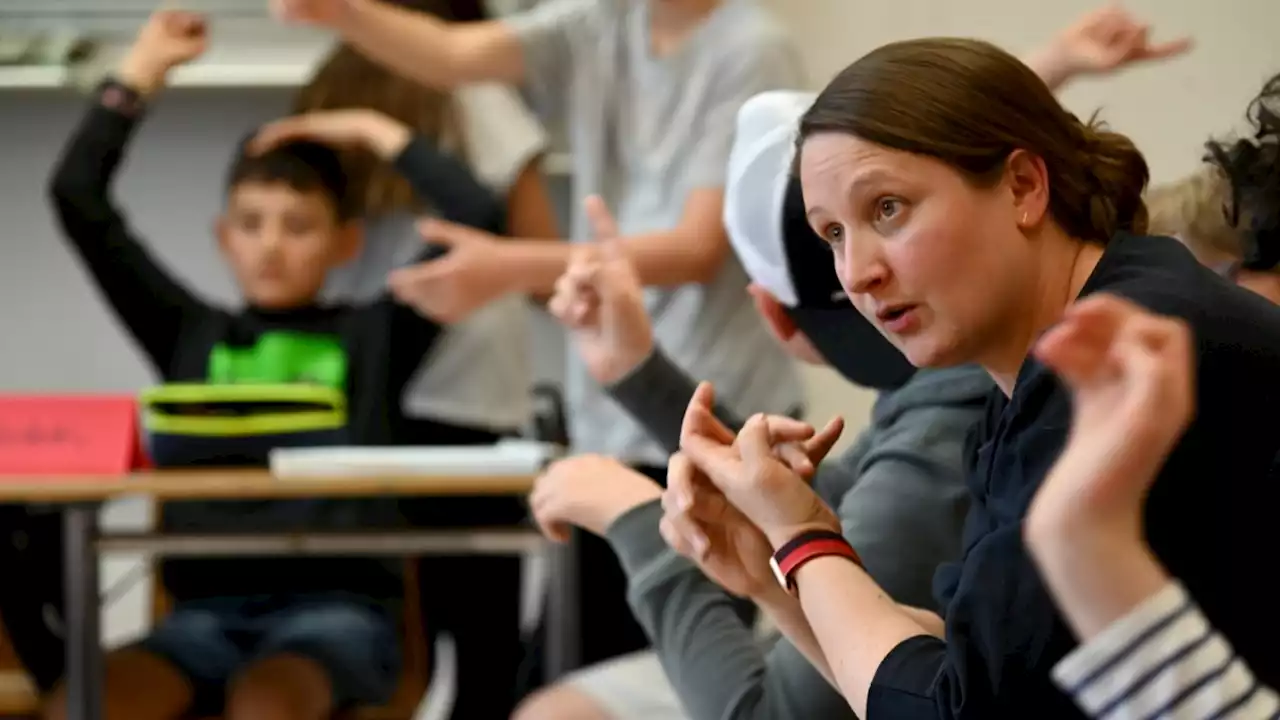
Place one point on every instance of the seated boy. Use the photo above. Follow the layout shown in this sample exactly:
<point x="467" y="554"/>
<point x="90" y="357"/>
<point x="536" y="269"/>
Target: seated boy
<point x="277" y="637"/>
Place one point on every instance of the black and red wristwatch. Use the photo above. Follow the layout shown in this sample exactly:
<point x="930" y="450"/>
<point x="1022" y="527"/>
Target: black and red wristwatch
<point x="805" y="547"/>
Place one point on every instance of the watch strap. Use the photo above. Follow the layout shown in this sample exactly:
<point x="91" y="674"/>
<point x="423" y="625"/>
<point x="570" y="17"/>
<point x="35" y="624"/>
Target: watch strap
<point x="805" y="547"/>
<point x="117" y="96"/>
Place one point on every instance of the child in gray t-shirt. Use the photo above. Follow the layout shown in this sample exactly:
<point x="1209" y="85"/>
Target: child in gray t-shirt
<point x="646" y="93"/>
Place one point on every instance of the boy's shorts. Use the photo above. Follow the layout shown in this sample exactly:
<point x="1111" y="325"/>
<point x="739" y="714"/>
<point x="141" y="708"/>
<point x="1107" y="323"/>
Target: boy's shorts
<point x="212" y="640"/>
<point x="630" y="687"/>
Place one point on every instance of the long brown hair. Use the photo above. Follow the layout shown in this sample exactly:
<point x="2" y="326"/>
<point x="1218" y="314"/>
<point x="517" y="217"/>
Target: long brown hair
<point x="971" y="104"/>
<point x="347" y="79"/>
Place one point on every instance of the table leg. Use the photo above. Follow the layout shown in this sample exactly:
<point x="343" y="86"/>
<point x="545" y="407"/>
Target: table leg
<point x="83" y="636"/>
<point x="563" y="634"/>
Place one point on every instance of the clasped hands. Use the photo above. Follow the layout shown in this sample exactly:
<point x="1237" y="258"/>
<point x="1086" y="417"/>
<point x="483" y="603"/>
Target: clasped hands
<point x="731" y="499"/>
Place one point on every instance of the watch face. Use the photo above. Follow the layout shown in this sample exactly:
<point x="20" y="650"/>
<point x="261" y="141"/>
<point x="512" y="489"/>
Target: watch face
<point x="777" y="572"/>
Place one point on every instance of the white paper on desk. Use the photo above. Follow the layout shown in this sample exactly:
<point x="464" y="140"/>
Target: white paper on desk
<point x="507" y="457"/>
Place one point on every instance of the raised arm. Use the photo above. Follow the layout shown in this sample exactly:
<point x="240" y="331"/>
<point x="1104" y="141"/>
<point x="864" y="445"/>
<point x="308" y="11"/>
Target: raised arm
<point x="1100" y="42"/>
<point x="1084" y="528"/>
<point x="148" y="300"/>
<point x="418" y="45"/>
<point x="436" y="176"/>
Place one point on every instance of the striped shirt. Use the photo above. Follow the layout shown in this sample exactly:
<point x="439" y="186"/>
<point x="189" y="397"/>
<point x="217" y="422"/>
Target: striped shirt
<point x="1164" y="660"/>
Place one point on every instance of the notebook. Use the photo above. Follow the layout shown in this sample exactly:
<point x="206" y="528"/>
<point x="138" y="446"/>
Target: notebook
<point x="507" y="457"/>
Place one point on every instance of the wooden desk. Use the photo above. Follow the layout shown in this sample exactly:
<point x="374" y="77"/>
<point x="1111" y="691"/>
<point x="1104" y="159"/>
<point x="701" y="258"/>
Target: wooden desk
<point x="79" y="498"/>
<point x="216" y="484"/>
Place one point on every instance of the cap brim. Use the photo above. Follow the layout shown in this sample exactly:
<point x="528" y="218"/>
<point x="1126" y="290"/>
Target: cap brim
<point x="853" y="347"/>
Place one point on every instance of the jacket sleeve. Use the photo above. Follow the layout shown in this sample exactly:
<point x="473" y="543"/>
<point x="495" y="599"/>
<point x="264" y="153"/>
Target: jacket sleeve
<point x="1003" y="633"/>
<point x="146" y="298"/>
<point x="712" y="655"/>
<point x="459" y="197"/>
<point x="1164" y="660"/>
<point x="656" y="393"/>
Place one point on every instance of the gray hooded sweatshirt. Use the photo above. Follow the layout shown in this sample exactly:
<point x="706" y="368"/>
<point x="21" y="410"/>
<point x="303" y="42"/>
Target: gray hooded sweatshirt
<point x="899" y="492"/>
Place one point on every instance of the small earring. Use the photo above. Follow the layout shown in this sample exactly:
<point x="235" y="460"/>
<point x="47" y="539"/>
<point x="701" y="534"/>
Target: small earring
<point x="1024" y="218"/>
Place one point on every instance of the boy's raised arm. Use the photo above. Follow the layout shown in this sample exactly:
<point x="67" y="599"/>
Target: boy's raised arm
<point x="151" y="304"/>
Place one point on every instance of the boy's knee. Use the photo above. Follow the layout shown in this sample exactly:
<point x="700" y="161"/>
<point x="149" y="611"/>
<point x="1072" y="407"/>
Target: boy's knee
<point x="357" y="647"/>
<point x="139" y="686"/>
<point x="560" y="702"/>
<point x="280" y="687"/>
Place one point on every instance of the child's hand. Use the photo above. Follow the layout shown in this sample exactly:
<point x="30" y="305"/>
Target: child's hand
<point x="587" y="491"/>
<point x="1103" y="41"/>
<point x="366" y="128"/>
<point x="1132" y="380"/>
<point x="600" y="299"/>
<point x="168" y="39"/>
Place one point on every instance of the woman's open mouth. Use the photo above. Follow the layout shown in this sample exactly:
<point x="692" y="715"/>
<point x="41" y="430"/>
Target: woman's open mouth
<point x="898" y="319"/>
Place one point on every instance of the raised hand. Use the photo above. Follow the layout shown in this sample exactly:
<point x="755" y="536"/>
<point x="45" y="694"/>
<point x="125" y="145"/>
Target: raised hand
<point x="369" y="129"/>
<point x="1102" y="41"/>
<point x="169" y="38"/>
<point x="472" y="274"/>
<point x="1132" y="380"/>
<point x="600" y="300"/>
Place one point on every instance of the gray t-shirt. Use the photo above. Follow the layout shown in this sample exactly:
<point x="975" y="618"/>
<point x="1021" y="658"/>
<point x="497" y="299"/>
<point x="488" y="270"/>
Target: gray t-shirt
<point x="644" y="132"/>
<point x="479" y="373"/>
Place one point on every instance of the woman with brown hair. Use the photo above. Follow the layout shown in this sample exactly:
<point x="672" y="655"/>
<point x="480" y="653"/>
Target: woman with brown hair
<point x="475" y="386"/>
<point x="966" y="210"/>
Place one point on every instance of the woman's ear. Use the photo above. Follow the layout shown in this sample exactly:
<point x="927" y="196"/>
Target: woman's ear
<point x="1028" y="182"/>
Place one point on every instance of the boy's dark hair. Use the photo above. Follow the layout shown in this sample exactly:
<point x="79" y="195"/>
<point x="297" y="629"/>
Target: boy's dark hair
<point x="1251" y="166"/>
<point x="303" y="166"/>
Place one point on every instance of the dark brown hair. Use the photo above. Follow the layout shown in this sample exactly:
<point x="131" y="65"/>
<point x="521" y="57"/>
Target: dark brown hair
<point x="303" y="166"/>
<point x="347" y="79"/>
<point x="971" y="104"/>
<point x="1251" y="166"/>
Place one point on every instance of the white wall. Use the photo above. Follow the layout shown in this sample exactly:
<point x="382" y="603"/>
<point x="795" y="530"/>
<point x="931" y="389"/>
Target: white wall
<point x="58" y="336"/>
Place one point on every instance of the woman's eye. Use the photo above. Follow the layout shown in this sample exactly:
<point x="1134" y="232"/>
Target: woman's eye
<point x="887" y="208"/>
<point x="833" y="234"/>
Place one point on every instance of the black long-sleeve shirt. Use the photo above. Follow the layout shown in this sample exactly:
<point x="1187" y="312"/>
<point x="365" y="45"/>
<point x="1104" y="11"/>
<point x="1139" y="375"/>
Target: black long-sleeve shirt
<point x="1210" y="516"/>
<point x="383" y="343"/>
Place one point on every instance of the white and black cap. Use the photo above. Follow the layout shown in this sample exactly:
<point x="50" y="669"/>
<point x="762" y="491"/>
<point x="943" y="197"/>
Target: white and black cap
<point x="764" y="214"/>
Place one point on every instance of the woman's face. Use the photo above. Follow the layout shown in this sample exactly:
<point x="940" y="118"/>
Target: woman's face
<point x="938" y="265"/>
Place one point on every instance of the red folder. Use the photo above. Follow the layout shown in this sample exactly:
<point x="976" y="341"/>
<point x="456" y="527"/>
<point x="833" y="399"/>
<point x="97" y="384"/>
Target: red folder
<point x="69" y="435"/>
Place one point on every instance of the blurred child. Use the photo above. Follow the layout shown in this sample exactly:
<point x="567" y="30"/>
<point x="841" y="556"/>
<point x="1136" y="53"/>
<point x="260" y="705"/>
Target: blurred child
<point x="474" y="387"/>
<point x="263" y="637"/>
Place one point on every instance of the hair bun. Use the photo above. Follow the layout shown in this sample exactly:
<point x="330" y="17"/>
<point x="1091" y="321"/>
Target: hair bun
<point x="1118" y="175"/>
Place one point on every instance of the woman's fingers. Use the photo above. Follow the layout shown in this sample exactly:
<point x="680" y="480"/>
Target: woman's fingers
<point x="718" y="462"/>
<point x="682" y="531"/>
<point x="700" y="419"/>
<point x="794" y="456"/>
<point x="783" y="429"/>
<point x="819" y="446"/>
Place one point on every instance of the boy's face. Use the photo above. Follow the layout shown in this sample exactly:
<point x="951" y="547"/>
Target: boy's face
<point x="281" y="243"/>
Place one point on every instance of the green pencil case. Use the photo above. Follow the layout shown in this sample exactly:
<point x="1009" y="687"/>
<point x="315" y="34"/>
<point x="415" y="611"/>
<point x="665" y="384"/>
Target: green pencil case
<point x="201" y="424"/>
